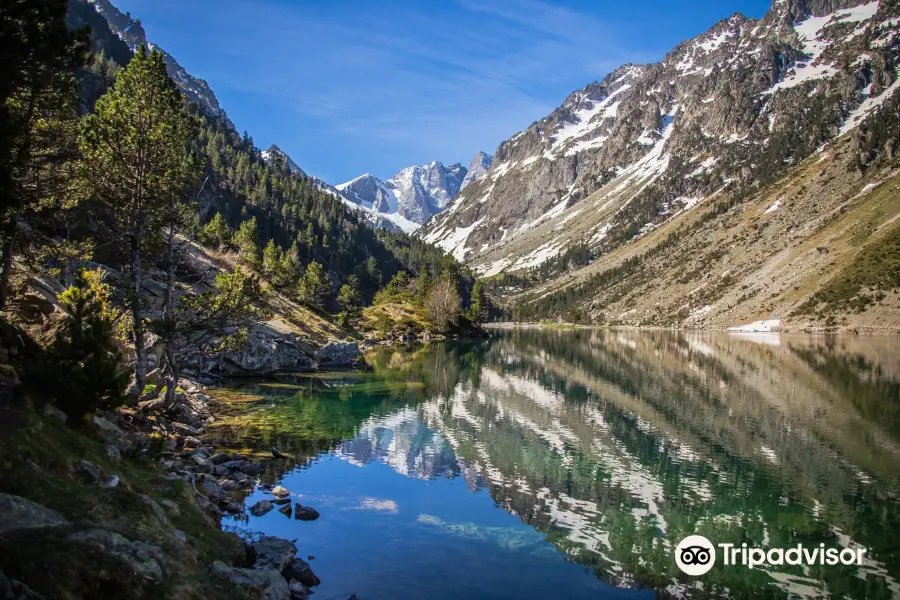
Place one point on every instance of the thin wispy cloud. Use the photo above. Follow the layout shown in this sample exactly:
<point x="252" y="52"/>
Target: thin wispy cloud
<point x="357" y="86"/>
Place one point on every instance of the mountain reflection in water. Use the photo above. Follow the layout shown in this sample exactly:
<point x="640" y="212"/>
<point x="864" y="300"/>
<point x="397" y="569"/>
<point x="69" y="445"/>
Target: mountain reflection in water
<point x="611" y="446"/>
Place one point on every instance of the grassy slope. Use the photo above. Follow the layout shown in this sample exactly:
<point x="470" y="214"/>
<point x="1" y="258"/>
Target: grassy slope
<point x="748" y="264"/>
<point x="396" y="317"/>
<point x="39" y="458"/>
<point x="287" y="316"/>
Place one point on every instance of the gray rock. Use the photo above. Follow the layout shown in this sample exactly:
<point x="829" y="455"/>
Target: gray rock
<point x="110" y="432"/>
<point x="171" y="507"/>
<point x="113" y="452"/>
<point x="203" y="464"/>
<point x="273" y="553"/>
<point x="20" y="513"/>
<point x="298" y="590"/>
<point x="300" y="570"/>
<point x="305" y="513"/>
<point x="209" y="487"/>
<point x="89" y="471"/>
<point x="220" y="458"/>
<point x="268" y="581"/>
<point x="155" y="508"/>
<point x="145" y="560"/>
<point x="156" y="288"/>
<point x="10" y="589"/>
<point x="53" y="412"/>
<point x="261" y="508"/>
<point x="240" y="476"/>
<point x="209" y="507"/>
<point x="339" y="354"/>
<point x="233" y="464"/>
<point x="266" y="352"/>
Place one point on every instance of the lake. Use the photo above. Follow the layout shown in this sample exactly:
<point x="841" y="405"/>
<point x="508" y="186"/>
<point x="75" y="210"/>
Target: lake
<point x="544" y="463"/>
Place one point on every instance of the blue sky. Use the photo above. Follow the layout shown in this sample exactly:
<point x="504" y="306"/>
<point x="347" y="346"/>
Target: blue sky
<point x="354" y="86"/>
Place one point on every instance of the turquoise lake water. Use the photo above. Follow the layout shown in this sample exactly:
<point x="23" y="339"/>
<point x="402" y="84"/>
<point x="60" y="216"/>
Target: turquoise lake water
<point x="568" y="464"/>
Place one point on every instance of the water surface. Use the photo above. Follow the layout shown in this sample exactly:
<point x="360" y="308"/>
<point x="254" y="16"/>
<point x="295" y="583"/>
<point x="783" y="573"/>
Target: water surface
<point x="568" y="464"/>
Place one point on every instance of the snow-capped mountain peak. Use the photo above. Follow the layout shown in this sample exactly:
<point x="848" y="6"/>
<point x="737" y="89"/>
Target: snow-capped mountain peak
<point x="736" y="104"/>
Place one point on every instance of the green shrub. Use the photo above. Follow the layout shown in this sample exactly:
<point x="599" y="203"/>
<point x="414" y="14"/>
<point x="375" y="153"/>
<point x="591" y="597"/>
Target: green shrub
<point x="83" y="363"/>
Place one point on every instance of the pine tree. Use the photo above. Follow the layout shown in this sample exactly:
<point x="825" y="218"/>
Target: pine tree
<point x="478" y="307"/>
<point x="217" y="233"/>
<point x="271" y="259"/>
<point x="135" y="146"/>
<point x="314" y="286"/>
<point x="38" y="102"/>
<point x="247" y="240"/>
<point x="84" y="372"/>
<point x="350" y="302"/>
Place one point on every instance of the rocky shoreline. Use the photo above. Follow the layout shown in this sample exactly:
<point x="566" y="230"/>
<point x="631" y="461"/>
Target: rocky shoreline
<point x="221" y="480"/>
<point x="171" y="436"/>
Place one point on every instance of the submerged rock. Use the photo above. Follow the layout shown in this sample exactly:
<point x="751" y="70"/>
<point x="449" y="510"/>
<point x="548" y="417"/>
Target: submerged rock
<point x="261" y="508"/>
<point x="273" y="553"/>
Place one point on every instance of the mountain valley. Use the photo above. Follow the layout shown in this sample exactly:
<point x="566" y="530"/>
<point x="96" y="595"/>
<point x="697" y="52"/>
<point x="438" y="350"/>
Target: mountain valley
<point x="625" y="161"/>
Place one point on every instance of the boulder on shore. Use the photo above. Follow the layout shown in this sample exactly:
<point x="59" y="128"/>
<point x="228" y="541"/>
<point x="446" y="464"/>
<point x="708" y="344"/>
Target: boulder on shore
<point x="339" y="354"/>
<point x="266" y="353"/>
<point x="268" y="581"/>
<point x="273" y="553"/>
<point x="300" y="570"/>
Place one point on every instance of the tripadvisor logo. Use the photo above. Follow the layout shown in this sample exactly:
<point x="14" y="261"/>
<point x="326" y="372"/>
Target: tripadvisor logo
<point x="696" y="555"/>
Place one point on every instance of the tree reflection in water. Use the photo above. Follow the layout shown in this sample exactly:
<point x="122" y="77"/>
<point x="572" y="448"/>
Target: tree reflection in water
<point x="616" y="444"/>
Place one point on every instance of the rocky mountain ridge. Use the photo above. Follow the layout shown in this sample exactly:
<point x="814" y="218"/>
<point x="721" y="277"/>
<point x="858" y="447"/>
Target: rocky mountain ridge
<point x="280" y="157"/>
<point x="478" y="166"/>
<point x="415" y="194"/>
<point x="132" y="33"/>
<point x="732" y="107"/>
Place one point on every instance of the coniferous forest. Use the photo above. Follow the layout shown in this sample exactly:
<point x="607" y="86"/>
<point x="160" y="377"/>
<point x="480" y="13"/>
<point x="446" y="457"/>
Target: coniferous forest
<point x="106" y="165"/>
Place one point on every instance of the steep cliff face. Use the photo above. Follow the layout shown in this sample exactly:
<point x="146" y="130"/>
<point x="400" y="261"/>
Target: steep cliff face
<point x="131" y="32"/>
<point x="721" y="113"/>
<point x="477" y="167"/>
